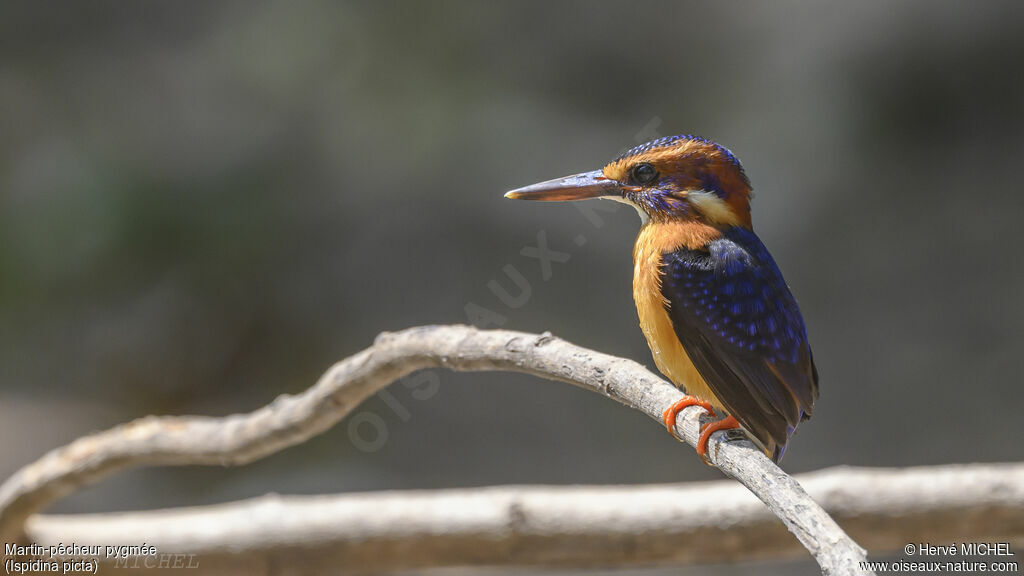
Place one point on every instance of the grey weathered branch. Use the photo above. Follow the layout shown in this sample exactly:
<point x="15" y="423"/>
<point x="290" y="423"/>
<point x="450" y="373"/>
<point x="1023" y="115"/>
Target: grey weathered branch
<point x="572" y="526"/>
<point x="290" y="420"/>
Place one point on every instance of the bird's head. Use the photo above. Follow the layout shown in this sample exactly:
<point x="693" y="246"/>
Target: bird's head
<point x="675" y="178"/>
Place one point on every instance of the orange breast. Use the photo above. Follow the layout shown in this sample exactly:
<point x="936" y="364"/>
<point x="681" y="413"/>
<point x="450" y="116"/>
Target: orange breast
<point x="655" y="239"/>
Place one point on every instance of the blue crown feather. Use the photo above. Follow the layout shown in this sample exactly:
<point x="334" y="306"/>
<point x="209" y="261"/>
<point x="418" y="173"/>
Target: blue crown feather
<point x="669" y="140"/>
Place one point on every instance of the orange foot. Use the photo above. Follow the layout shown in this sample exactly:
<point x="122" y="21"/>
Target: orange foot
<point x="669" y="417"/>
<point x="710" y="428"/>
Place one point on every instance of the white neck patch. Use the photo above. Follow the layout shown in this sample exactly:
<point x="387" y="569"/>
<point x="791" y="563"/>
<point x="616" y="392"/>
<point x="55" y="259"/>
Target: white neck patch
<point x="712" y="207"/>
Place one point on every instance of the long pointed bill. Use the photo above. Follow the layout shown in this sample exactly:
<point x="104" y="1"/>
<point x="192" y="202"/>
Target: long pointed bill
<point x="575" y="187"/>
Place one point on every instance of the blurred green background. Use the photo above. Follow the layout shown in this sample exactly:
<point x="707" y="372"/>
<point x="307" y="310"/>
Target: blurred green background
<point x="204" y="205"/>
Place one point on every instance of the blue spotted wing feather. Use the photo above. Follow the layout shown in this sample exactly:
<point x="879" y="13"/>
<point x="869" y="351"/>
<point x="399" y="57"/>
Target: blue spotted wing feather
<point x="742" y="329"/>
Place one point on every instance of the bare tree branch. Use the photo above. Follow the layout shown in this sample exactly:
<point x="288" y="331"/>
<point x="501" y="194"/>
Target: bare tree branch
<point x="573" y="526"/>
<point x="289" y="420"/>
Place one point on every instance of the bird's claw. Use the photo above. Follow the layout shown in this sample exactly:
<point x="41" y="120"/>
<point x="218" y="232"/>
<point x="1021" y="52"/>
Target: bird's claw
<point x="669" y="417"/>
<point x="709" y="428"/>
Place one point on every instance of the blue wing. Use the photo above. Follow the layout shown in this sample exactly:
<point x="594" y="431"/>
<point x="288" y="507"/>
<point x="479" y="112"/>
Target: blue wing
<point x="741" y="327"/>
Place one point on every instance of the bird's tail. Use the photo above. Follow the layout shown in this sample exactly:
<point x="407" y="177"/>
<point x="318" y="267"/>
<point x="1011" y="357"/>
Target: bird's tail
<point x="776" y="454"/>
<point x="775" y="451"/>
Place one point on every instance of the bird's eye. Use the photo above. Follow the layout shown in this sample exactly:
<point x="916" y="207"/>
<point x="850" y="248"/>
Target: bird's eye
<point x="643" y="173"/>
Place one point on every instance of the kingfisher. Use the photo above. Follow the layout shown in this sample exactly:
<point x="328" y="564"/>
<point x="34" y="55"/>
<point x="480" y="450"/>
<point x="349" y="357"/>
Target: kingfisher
<point x="717" y="314"/>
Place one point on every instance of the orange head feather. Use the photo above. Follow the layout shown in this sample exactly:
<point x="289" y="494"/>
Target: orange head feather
<point x="684" y="177"/>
